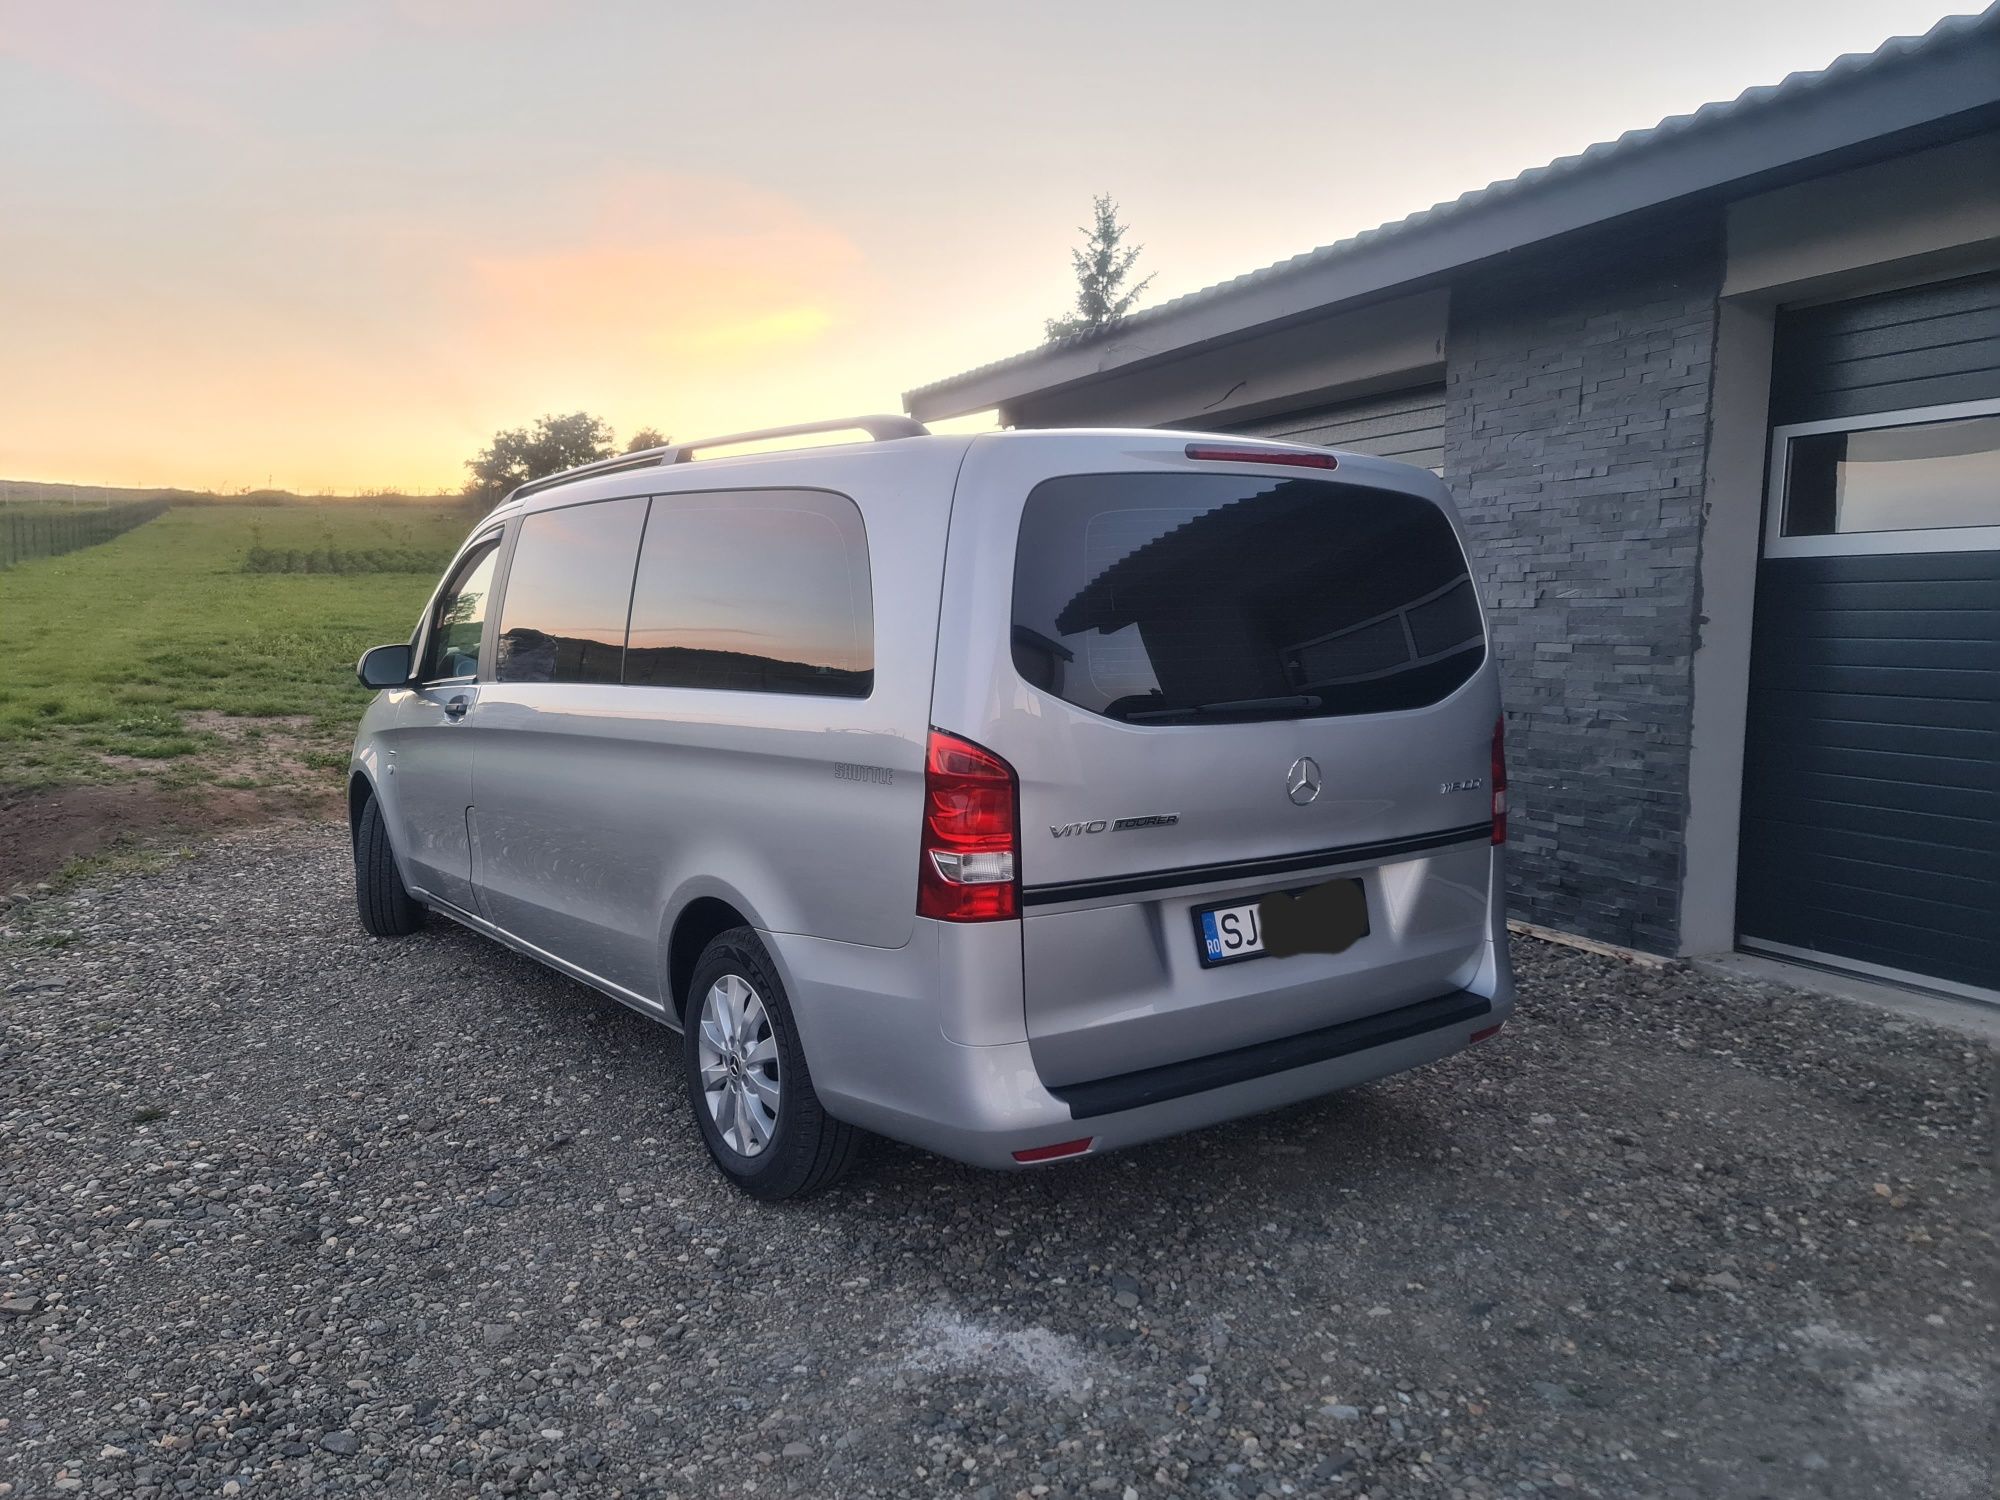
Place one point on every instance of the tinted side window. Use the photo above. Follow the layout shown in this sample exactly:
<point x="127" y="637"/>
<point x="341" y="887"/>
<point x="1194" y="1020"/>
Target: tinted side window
<point x="458" y="623"/>
<point x="759" y="591"/>
<point x="1178" y="598"/>
<point x="567" y="593"/>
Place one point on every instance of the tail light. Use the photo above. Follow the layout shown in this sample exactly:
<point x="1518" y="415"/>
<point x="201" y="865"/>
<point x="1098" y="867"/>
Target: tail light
<point x="1500" y="780"/>
<point x="968" y="870"/>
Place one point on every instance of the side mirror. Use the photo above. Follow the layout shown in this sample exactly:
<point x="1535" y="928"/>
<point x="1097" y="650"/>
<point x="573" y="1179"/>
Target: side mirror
<point x="384" y="666"/>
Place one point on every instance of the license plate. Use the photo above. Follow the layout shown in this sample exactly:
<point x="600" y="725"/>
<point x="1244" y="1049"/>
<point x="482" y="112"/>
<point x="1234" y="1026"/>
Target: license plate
<point x="1326" y="918"/>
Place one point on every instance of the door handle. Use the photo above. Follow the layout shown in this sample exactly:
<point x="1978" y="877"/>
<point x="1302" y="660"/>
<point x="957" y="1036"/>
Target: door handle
<point x="454" y="708"/>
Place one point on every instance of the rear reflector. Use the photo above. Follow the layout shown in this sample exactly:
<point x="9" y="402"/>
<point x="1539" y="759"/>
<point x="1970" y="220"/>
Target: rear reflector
<point x="1218" y="454"/>
<point x="1487" y="1033"/>
<point x="1053" y="1153"/>
<point x="966" y="870"/>
<point x="1499" y="783"/>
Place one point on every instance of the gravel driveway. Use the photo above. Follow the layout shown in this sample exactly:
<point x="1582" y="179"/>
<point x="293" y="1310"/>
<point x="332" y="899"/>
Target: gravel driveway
<point x="284" y="1211"/>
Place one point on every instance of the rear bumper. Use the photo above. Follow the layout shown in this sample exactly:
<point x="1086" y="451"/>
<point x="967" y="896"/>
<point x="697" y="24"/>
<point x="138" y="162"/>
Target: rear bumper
<point x="1126" y="1092"/>
<point x="927" y="1044"/>
<point x="982" y="1104"/>
<point x="881" y="1060"/>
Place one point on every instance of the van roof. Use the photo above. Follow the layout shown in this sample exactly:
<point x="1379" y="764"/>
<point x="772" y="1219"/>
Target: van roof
<point x="888" y="434"/>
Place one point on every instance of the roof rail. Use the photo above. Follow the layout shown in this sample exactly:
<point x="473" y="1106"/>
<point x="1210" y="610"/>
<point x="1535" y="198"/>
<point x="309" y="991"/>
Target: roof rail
<point x="645" y="458"/>
<point x="880" y="428"/>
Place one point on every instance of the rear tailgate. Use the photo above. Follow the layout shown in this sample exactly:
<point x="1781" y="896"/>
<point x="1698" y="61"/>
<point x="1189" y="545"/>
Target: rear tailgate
<point x="1173" y="657"/>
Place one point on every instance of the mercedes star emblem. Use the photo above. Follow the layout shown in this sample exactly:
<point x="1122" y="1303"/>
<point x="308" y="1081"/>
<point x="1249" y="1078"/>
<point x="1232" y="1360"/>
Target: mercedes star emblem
<point x="1302" y="781"/>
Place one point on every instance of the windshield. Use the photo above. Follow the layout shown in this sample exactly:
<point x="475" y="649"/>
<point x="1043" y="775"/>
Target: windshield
<point x="1195" y="598"/>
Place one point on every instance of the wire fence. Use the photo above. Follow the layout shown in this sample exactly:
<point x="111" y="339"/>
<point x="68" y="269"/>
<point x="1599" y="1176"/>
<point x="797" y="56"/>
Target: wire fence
<point x="28" y="533"/>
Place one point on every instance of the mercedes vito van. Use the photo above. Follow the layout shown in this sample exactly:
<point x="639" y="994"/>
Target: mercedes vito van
<point x="1021" y="796"/>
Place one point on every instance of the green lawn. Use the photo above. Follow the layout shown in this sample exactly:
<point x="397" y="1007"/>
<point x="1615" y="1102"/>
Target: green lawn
<point x="158" y="654"/>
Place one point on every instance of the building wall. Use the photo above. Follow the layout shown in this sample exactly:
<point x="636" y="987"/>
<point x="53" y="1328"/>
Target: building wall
<point x="1577" y="414"/>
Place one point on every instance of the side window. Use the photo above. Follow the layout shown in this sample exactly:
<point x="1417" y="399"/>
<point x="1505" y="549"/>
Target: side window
<point x="1891" y="473"/>
<point x="458" y="623"/>
<point x="568" y="589"/>
<point x="756" y="591"/>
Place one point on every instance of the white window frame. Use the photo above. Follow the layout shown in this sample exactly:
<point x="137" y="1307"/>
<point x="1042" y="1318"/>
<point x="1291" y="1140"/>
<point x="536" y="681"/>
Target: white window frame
<point x="1868" y="543"/>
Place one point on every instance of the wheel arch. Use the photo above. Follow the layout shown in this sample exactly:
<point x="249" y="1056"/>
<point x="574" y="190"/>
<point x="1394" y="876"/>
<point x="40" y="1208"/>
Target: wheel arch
<point x="359" y="789"/>
<point x="362" y="788"/>
<point x="697" y="924"/>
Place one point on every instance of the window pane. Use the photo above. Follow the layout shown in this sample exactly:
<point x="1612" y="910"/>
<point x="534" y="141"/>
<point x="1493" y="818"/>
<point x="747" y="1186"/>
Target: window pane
<point x="757" y="591"/>
<point x="1913" y="478"/>
<point x="1159" y="598"/>
<point x="461" y="619"/>
<point x="567" y="590"/>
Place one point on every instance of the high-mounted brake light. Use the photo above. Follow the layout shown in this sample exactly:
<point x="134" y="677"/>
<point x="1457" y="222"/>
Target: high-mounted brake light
<point x="1222" y="454"/>
<point x="967" y="871"/>
<point x="1500" y="780"/>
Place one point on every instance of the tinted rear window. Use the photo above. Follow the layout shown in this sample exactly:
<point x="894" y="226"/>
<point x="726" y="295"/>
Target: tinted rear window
<point x="754" y="591"/>
<point x="1184" y="598"/>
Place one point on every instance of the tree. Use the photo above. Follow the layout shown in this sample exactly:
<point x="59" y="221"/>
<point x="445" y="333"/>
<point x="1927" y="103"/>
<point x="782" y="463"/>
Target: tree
<point x="1101" y="268"/>
<point x="516" y="456"/>
<point x="646" y="437"/>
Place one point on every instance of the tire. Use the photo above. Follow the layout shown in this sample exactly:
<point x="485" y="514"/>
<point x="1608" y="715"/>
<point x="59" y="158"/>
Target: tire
<point x="387" y="908"/>
<point x="793" y="1150"/>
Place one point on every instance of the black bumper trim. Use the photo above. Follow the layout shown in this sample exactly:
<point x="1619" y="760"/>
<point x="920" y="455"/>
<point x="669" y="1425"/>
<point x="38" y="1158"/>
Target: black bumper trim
<point x="1108" y="1096"/>
<point x="1251" y="869"/>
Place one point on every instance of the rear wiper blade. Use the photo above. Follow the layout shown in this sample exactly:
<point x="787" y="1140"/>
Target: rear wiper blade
<point x="1301" y="701"/>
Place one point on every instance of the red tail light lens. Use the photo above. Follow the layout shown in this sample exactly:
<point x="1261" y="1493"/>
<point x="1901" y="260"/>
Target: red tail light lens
<point x="1500" y="780"/>
<point x="1054" y="1153"/>
<point x="1223" y="454"/>
<point x="968" y="870"/>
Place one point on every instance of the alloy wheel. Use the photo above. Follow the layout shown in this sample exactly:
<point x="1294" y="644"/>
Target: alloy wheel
<point x="738" y="1056"/>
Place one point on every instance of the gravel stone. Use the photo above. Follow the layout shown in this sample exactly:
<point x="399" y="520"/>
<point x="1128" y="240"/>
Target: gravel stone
<point x="301" y="1213"/>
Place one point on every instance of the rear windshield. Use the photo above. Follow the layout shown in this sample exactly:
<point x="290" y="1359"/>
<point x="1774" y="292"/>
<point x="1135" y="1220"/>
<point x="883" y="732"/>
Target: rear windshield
<point x="1181" y="598"/>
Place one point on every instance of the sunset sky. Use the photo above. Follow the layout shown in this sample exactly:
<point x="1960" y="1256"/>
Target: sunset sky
<point x="334" y="246"/>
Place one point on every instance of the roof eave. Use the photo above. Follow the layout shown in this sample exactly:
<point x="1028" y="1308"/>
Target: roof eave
<point x="1840" y="115"/>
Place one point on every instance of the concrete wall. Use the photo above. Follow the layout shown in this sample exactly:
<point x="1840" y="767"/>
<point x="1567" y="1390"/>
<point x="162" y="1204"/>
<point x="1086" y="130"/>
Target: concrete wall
<point x="1577" y="411"/>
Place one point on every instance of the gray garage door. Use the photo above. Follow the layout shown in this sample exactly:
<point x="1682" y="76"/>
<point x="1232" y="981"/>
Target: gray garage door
<point x="1871" y="815"/>
<point x="1405" y="425"/>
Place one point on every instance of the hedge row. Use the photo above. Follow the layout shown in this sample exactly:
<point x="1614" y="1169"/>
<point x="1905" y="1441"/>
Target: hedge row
<point x="341" y="560"/>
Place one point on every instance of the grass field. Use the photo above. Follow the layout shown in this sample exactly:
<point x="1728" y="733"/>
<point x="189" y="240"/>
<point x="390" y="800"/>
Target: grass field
<point x="158" y="655"/>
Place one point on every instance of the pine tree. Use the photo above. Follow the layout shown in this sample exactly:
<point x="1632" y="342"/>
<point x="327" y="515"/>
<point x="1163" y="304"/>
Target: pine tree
<point x="1101" y="268"/>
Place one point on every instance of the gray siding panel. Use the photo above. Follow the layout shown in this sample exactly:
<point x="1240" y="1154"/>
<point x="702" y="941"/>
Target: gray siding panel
<point x="1404" y="425"/>
<point x="1871" y="826"/>
<point x="1922" y="346"/>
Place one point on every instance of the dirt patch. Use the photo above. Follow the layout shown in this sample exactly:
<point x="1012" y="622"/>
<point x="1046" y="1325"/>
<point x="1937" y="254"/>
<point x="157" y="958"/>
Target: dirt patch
<point x="43" y="829"/>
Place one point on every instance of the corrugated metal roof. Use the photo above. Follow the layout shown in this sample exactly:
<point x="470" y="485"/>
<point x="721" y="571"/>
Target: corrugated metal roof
<point x="1603" y="155"/>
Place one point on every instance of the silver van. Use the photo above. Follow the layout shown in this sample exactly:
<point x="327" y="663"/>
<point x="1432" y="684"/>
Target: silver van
<point x="1021" y="796"/>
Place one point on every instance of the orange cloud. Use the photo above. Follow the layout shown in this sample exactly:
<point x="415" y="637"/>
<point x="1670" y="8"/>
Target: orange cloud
<point x="383" y="347"/>
<point x="667" y="267"/>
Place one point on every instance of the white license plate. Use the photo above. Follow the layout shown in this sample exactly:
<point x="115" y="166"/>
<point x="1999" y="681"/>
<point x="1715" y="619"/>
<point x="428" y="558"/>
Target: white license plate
<point x="1326" y="918"/>
<point x="1230" y="932"/>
